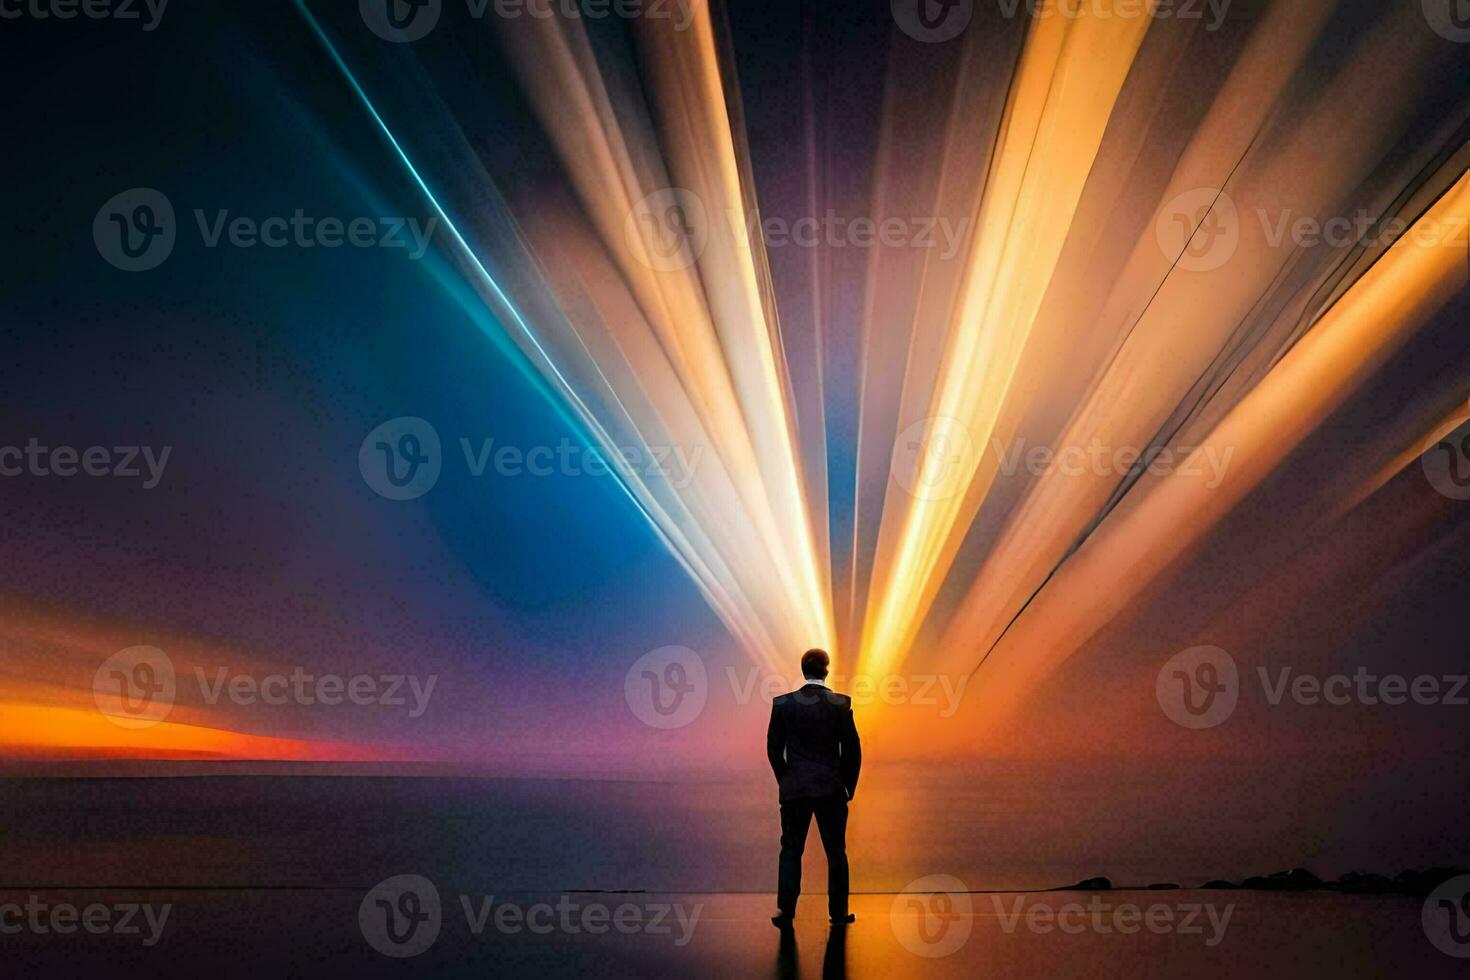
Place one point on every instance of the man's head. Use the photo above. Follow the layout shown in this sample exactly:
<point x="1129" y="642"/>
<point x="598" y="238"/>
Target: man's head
<point x="814" y="664"/>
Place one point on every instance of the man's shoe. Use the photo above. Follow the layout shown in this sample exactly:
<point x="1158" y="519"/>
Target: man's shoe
<point x="782" y="921"/>
<point x="843" y="919"/>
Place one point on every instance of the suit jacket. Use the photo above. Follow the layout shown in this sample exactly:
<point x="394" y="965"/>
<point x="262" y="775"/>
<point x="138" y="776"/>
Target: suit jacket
<point x="813" y="746"/>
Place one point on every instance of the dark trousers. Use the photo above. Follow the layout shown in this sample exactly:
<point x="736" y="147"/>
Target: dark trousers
<point x="796" y="819"/>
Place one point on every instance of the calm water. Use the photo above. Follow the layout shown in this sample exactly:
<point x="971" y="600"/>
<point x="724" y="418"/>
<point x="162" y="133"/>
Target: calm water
<point x="276" y="876"/>
<point x="999" y="831"/>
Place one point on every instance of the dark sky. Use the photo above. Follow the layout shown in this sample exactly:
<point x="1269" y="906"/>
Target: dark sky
<point x="263" y="370"/>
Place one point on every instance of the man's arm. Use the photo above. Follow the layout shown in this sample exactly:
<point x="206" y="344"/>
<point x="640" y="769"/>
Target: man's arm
<point x="776" y="743"/>
<point x="852" y="752"/>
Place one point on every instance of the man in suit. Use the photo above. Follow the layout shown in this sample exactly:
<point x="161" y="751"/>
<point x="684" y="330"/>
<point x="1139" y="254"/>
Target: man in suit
<point x="812" y="743"/>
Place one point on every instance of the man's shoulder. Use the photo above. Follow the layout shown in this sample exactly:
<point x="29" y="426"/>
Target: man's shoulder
<point x="800" y="696"/>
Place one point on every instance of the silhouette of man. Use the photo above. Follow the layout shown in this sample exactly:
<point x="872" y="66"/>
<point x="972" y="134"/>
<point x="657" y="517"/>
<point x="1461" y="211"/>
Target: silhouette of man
<point x="812" y="743"/>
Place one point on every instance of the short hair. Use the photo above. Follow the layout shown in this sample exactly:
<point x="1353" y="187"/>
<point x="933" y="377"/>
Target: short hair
<point x="814" y="664"/>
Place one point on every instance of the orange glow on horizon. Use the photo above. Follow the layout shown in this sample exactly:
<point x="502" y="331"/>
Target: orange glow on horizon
<point x="43" y="731"/>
